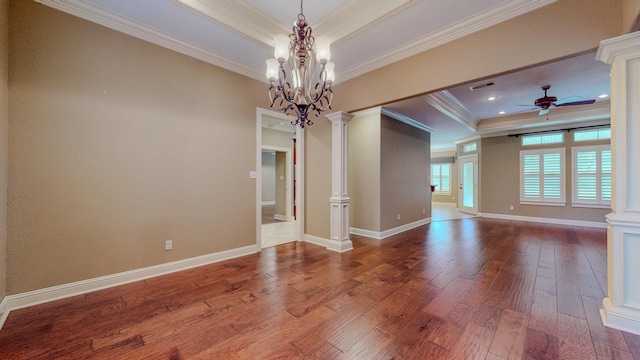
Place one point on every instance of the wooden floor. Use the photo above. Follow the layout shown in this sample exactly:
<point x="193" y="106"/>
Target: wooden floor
<point x="460" y="289"/>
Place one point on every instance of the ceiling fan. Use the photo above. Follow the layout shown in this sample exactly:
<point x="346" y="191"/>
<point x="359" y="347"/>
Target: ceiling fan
<point x="546" y="102"/>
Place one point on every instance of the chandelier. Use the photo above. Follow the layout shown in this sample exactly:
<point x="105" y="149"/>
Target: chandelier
<point x="300" y="74"/>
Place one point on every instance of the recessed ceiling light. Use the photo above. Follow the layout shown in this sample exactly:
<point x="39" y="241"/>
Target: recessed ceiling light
<point x="502" y="112"/>
<point x="491" y="98"/>
<point x="603" y="96"/>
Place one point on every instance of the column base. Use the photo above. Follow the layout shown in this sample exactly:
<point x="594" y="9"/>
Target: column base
<point x="339" y="240"/>
<point x="340" y="246"/>
<point x="619" y="318"/>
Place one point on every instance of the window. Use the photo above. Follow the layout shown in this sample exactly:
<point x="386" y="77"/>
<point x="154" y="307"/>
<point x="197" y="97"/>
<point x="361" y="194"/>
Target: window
<point x="441" y="177"/>
<point x="542" y="139"/>
<point x="542" y="177"/>
<point x="594" y="134"/>
<point x="471" y="147"/>
<point x="591" y="176"/>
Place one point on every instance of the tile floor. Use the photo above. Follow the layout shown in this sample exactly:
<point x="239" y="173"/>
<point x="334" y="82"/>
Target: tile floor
<point x="442" y="212"/>
<point x="277" y="233"/>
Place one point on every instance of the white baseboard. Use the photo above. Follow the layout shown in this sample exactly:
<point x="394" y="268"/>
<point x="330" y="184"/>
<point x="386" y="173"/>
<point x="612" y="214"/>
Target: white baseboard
<point x="316" y="240"/>
<point x="619" y="318"/>
<point x="40" y="296"/>
<point x="593" y="224"/>
<point x="364" y="232"/>
<point x="4" y="311"/>
<point x="385" y="234"/>
<point x="280" y="217"/>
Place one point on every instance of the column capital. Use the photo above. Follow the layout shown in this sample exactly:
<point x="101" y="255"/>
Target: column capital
<point x="339" y="116"/>
<point x="611" y="48"/>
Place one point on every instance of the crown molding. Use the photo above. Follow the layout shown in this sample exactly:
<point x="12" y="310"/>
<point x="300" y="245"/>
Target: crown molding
<point x="90" y="12"/>
<point x="407" y="120"/>
<point x="466" y="140"/>
<point x="340" y="25"/>
<point x="379" y="110"/>
<point x="599" y="112"/>
<point x="239" y="17"/>
<point x="450" y="106"/>
<point x="493" y="16"/>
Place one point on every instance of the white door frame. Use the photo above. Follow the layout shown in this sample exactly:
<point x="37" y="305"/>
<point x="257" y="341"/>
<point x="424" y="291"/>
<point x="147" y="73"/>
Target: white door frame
<point x="298" y="175"/>
<point x="474" y="160"/>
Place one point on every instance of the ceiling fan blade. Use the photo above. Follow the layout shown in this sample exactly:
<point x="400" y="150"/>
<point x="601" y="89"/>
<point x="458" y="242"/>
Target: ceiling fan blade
<point x="568" y="100"/>
<point x="543" y="112"/>
<point x="583" y="102"/>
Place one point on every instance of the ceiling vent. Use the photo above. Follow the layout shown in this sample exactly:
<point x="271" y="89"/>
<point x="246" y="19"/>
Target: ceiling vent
<point x="476" y="87"/>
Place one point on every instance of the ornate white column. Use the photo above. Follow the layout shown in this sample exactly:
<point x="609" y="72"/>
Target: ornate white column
<point x="339" y="200"/>
<point x="621" y="308"/>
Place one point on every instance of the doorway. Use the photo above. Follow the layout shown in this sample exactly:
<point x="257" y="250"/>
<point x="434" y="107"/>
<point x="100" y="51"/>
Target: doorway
<point x="468" y="184"/>
<point x="278" y="142"/>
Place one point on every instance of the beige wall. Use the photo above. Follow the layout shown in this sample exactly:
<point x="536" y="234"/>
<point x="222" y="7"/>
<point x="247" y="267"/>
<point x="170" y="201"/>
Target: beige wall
<point x="4" y="111"/>
<point x="404" y="174"/>
<point x="317" y="189"/>
<point x="117" y="145"/>
<point x="388" y="172"/>
<point x="364" y="171"/>
<point x="631" y="15"/>
<point x="500" y="179"/>
<point x="454" y="178"/>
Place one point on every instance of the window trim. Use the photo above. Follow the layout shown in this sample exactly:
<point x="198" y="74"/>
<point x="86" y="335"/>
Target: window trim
<point x="599" y="203"/>
<point x="542" y="136"/>
<point x="440" y="192"/>
<point x="562" y="176"/>
<point x="598" y="131"/>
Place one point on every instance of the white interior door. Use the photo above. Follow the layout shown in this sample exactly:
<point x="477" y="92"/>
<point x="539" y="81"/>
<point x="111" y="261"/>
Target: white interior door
<point x="468" y="184"/>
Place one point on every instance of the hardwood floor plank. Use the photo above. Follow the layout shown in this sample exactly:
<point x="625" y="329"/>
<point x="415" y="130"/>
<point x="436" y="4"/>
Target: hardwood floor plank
<point x="462" y="289"/>
<point x="474" y="343"/>
<point x="633" y="341"/>
<point x="540" y="345"/>
<point x="604" y="352"/>
<point x="575" y="340"/>
<point x="442" y="304"/>
<point x="544" y="316"/>
<point x="509" y="339"/>
<point x="368" y="347"/>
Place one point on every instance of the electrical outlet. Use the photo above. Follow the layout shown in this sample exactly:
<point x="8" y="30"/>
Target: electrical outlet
<point x="423" y="210"/>
<point x="398" y="216"/>
<point x="511" y="207"/>
<point x="168" y="245"/>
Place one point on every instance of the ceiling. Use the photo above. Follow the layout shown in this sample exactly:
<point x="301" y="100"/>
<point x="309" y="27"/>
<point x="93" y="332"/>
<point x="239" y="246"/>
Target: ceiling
<point x="237" y="35"/>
